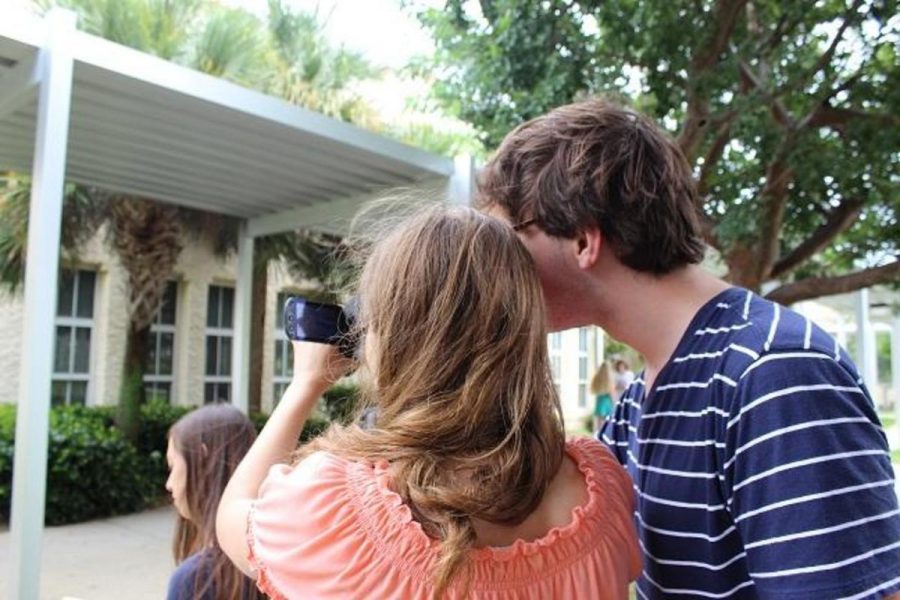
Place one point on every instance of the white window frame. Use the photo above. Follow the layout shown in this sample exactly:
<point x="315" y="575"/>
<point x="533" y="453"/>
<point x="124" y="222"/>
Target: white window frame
<point x="280" y="380"/>
<point x="554" y="344"/>
<point x="156" y="331"/>
<point x="583" y="367"/>
<point x="217" y="332"/>
<point x="74" y="323"/>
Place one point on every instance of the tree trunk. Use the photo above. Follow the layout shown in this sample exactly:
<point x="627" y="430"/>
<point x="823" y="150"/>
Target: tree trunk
<point x="258" y="331"/>
<point x="147" y="237"/>
<point x="132" y="395"/>
<point x="742" y="267"/>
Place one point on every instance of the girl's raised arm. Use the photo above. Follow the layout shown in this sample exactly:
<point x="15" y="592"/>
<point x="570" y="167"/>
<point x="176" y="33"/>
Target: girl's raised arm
<point x="316" y="367"/>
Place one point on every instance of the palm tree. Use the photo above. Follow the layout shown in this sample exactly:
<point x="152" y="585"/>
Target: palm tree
<point x="289" y="58"/>
<point x="82" y="216"/>
<point x="312" y="257"/>
<point x="306" y="70"/>
<point x="146" y="235"/>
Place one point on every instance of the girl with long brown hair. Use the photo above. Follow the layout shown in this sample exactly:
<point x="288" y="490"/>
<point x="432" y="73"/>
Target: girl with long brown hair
<point x="465" y="485"/>
<point x="204" y="448"/>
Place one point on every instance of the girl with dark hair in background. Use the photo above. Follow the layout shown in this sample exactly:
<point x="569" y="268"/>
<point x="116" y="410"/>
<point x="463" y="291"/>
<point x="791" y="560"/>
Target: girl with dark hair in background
<point x="204" y="448"/>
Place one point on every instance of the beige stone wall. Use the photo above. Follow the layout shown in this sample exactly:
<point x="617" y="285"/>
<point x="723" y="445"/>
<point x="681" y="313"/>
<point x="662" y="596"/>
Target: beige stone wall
<point x="11" y="317"/>
<point x="108" y="337"/>
<point x="198" y="268"/>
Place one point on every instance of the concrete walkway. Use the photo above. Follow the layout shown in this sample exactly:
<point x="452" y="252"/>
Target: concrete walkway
<point x="110" y="559"/>
<point x="124" y="557"/>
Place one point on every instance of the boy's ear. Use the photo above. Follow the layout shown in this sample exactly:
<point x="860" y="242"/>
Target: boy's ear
<point x="587" y="247"/>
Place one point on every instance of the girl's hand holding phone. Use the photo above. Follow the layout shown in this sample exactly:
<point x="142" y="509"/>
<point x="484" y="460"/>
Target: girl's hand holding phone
<point x="318" y="364"/>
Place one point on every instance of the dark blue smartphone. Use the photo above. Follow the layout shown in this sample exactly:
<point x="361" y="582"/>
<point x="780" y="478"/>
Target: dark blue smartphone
<point x="310" y="321"/>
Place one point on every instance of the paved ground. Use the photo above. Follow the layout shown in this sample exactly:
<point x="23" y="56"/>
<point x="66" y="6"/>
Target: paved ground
<point x="124" y="557"/>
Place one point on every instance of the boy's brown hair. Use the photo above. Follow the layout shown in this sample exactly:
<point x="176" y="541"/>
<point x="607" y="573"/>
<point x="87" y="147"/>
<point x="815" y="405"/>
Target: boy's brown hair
<point x="595" y="163"/>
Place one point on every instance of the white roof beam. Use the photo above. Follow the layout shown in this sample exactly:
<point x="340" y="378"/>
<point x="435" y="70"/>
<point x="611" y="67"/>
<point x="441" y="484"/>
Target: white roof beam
<point x="136" y="65"/>
<point x="336" y="216"/>
<point x="17" y="85"/>
<point x="331" y="216"/>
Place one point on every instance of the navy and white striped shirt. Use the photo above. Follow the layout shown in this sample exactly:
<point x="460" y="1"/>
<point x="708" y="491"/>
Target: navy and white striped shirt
<point x="760" y="467"/>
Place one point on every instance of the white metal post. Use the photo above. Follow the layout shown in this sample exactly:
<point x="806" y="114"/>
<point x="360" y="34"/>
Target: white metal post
<point x="895" y="368"/>
<point x="44" y="224"/>
<point x="461" y="185"/>
<point x="865" y="341"/>
<point x="243" y="296"/>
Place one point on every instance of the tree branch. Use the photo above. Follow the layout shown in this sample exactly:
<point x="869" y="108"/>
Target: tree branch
<point x="781" y="114"/>
<point x="824" y="60"/>
<point x="826" y="57"/>
<point x="706" y="56"/>
<point x="838" y="220"/>
<point x="826" y="115"/>
<point x="727" y="13"/>
<point x="778" y="177"/>
<point x="716" y="149"/>
<point x="816" y="287"/>
<point x="782" y="29"/>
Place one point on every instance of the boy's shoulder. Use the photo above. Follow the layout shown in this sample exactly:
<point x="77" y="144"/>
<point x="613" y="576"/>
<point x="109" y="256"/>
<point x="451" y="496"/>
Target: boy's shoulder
<point x="745" y="328"/>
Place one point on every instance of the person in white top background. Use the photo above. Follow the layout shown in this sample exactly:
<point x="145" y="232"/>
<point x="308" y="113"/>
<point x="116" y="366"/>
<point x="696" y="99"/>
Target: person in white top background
<point x="624" y="377"/>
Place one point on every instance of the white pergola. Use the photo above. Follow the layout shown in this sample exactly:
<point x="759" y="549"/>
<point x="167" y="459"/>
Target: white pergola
<point x="74" y="107"/>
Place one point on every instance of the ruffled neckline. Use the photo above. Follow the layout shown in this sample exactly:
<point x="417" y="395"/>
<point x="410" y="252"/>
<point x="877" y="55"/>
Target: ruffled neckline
<point x="390" y="524"/>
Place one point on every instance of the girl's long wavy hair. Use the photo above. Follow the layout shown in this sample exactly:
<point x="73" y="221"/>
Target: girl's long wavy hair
<point x="452" y="319"/>
<point x="213" y="440"/>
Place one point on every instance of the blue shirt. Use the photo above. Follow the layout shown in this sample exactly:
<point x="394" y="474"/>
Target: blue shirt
<point x="183" y="580"/>
<point x="197" y="569"/>
<point x="759" y="465"/>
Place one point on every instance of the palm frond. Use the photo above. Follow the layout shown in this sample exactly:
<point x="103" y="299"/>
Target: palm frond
<point x="230" y="46"/>
<point x="83" y="213"/>
<point x="317" y="258"/>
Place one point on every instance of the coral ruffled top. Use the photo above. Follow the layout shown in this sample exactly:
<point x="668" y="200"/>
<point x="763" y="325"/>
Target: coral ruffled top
<point x="333" y="528"/>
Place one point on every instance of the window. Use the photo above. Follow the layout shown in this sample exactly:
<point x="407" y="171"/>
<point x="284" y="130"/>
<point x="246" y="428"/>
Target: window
<point x="582" y="366"/>
<point x="74" y="329"/>
<point x="583" y="339"/>
<point x="556" y="360"/>
<point x="556" y="341"/>
<point x="159" y="368"/>
<point x="284" y="353"/>
<point x="219" y="333"/>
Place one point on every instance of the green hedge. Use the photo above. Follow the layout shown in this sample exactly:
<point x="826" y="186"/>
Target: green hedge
<point x="93" y="471"/>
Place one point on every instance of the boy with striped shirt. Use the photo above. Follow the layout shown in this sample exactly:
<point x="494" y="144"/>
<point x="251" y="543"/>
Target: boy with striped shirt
<point x="759" y="466"/>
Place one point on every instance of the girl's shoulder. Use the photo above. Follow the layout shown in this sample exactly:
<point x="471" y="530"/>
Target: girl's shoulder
<point x="312" y="522"/>
<point x="330" y="518"/>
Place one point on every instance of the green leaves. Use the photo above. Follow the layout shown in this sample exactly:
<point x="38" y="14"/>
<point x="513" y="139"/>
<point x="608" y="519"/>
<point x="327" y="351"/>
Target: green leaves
<point x="314" y="257"/>
<point x="230" y="46"/>
<point x="83" y="212"/>
<point x="809" y="90"/>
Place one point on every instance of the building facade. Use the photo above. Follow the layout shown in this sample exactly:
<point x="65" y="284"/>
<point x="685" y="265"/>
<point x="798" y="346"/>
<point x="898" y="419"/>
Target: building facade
<point x="191" y="341"/>
<point x="189" y="362"/>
